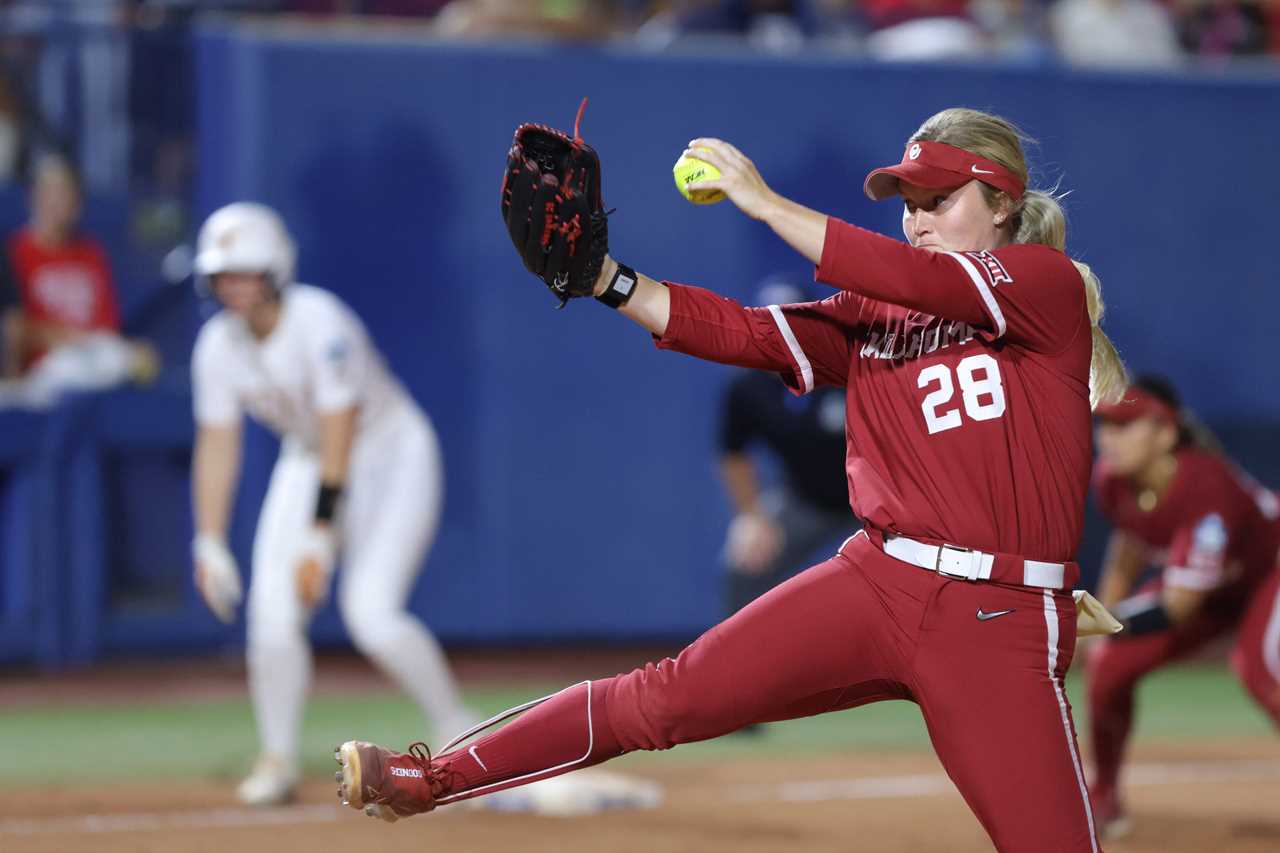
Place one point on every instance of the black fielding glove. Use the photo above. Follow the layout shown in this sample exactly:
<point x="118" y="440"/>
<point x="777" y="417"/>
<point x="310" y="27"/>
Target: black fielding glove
<point x="553" y="208"/>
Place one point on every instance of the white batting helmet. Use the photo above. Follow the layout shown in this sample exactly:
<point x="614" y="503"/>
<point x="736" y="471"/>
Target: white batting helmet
<point x="246" y="237"/>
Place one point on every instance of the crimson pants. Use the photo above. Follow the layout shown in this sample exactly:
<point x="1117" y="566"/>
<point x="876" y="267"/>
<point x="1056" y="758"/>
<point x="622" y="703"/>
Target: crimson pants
<point x="855" y="629"/>
<point x="1256" y="656"/>
<point x="1117" y="664"/>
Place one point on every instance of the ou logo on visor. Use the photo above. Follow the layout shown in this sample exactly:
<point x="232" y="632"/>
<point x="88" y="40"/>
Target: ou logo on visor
<point x="913" y="152"/>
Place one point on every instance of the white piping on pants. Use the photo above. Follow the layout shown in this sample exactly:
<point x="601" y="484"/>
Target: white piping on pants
<point x="506" y="715"/>
<point x="1051" y="622"/>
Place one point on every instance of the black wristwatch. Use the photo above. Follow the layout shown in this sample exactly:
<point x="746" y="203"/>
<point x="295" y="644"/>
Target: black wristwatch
<point x="620" y="288"/>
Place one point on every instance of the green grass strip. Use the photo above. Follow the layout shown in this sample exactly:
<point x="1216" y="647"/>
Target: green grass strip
<point x="77" y="744"/>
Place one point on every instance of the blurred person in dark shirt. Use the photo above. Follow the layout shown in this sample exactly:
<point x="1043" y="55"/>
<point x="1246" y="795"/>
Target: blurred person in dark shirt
<point x="1225" y="28"/>
<point x="775" y="530"/>
<point x="61" y="316"/>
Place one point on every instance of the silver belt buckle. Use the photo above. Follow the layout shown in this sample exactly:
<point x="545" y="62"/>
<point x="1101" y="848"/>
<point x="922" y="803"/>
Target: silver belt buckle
<point x="969" y="573"/>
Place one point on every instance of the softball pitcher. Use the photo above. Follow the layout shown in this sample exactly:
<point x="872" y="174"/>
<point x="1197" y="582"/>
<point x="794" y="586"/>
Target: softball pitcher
<point x="970" y="354"/>
<point x="359" y="471"/>
<point x="1213" y="532"/>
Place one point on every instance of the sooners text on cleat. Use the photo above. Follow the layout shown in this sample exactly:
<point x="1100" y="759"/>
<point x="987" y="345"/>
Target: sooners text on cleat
<point x="386" y="784"/>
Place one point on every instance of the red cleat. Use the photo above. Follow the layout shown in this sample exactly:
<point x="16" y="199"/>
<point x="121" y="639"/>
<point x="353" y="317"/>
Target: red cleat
<point x="385" y="784"/>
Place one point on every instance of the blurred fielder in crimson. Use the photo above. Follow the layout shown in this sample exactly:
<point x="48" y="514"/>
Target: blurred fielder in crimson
<point x="970" y="354"/>
<point x="1179" y="505"/>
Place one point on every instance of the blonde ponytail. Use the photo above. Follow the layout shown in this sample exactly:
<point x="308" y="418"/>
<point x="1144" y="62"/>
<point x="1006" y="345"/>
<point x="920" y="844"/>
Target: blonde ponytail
<point x="1037" y="217"/>
<point x="1107" y="376"/>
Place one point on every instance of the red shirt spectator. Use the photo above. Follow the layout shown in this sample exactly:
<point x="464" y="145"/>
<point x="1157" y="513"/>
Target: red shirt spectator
<point x="58" y="282"/>
<point x="66" y="285"/>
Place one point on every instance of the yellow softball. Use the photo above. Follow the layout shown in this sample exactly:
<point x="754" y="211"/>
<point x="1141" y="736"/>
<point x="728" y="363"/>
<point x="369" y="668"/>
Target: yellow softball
<point x="690" y="170"/>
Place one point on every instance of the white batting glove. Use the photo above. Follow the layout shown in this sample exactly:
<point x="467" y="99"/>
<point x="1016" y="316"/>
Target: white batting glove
<point x="754" y="541"/>
<point x="217" y="577"/>
<point x="315" y="567"/>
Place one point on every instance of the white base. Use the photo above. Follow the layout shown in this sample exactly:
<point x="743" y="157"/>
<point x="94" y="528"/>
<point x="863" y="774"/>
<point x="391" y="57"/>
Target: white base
<point x="575" y="794"/>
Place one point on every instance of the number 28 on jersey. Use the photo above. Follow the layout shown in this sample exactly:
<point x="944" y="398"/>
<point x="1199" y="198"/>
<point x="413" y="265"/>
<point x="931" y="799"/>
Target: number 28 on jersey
<point x="981" y="392"/>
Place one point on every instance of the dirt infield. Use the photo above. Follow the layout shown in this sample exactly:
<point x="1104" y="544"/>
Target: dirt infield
<point x="1201" y="796"/>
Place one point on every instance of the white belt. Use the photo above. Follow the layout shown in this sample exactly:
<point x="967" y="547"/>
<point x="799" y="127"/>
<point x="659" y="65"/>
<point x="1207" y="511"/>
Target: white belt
<point x="957" y="562"/>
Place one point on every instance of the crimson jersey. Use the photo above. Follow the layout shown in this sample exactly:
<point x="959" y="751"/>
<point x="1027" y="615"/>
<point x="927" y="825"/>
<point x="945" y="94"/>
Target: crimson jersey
<point x="968" y="383"/>
<point x="1211" y="530"/>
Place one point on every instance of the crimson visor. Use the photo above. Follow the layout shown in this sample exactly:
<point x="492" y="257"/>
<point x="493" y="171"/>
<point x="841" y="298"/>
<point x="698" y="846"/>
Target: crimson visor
<point x="1136" y="403"/>
<point x="935" y="166"/>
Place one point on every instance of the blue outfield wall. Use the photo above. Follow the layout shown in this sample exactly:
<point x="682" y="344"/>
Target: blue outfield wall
<point x="582" y="493"/>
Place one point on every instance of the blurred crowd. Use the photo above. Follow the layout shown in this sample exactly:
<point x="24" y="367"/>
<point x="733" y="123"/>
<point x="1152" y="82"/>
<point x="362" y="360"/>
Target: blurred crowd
<point x="108" y="83"/>
<point x="1130" y="33"/>
<point x="1087" y="32"/>
<point x="1127" y="33"/>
